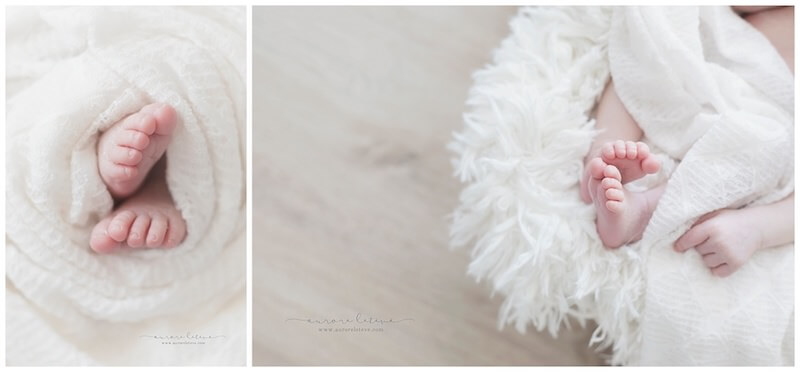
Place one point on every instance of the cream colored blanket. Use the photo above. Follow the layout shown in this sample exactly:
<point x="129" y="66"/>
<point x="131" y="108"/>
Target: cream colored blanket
<point x="71" y="73"/>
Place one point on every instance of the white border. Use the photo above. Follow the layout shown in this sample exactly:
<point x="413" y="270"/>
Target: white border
<point x="249" y="197"/>
<point x="3" y="188"/>
<point x="387" y="2"/>
<point x="249" y="142"/>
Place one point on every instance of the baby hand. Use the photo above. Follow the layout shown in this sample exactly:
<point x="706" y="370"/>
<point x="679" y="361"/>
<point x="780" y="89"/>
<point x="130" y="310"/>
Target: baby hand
<point x="725" y="239"/>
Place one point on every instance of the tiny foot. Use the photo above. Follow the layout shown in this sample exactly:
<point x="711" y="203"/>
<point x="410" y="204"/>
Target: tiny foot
<point x="128" y="150"/>
<point x="632" y="159"/>
<point x="621" y="215"/>
<point x="149" y="218"/>
<point x="139" y="222"/>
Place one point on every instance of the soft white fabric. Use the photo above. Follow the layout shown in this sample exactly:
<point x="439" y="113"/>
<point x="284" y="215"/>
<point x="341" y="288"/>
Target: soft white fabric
<point x="72" y="73"/>
<point x="711" y="91"/>
<point x="714" y="99"/>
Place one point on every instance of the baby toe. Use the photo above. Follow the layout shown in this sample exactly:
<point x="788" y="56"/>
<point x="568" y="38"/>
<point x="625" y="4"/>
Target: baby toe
<point x="596" y="167"/>
<point x="619" y="149"/>
<point x="141" y="122"/>
<point x="651" y="164"/>
<point x="99" y="241"/>
<point x="125" y="155"/>
<point x="630" y="150"/>
<point x="134" y="139"/>
<point x="611" y="171"/>
<point x="120" y="225"/>
<point x="139" y="231"/>
<point x="615" y="194"/>
<point x="642" y="150"/>
<point x="609" y="183"/>
<point x="607" y="151"/>
<point x="167" y="119"/>
<point x="165" y="116"/>
<point x="147" y="124"/>
<point x="131" y="121"/>
<point x="158" y="229"/>
<point x="614" y="206"/>
<point x="722" y="270"/>
<point x="175" y="234"/>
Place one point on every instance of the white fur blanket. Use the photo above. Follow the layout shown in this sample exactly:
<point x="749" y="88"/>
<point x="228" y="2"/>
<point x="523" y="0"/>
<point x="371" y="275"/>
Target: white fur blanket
<point x="71" y="73"/>
<point x="697" y="80"/>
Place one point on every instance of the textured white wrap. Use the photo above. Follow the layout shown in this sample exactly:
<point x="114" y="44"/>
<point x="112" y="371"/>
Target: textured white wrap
<point x="72" y="73"/>
<point x="709" y="90"/>
<point x="715" y="102"/>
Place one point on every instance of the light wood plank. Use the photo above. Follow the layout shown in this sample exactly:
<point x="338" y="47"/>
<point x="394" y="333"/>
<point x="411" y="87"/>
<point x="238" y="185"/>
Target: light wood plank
<point x="352" y="185"/>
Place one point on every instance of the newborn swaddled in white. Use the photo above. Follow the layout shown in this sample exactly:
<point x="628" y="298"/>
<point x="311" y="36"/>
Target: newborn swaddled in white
<point x="713" y="98"/>
<point x="72" y="73"/>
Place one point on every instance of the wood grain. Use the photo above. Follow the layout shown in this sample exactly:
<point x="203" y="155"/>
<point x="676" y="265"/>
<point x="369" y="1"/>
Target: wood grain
<point x="352" y="186"/>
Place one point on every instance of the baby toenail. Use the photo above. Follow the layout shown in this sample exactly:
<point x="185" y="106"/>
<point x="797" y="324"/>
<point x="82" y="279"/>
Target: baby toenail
<point x="134" y="236"/>
<point x="131" y="154"/>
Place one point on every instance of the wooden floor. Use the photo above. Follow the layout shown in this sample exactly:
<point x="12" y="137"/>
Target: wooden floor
<point x="352" y="186"/>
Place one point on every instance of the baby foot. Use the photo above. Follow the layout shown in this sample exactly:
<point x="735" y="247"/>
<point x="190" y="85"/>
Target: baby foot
<point x="128" y="150"/>
<point x="148" y="218"/>
<point x="632" y="159"/>
<point x="621" y="215"/>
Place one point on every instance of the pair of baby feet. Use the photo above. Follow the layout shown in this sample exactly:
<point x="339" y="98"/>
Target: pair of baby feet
<point x="621" y="214"/>
<point x="130" y="159"/>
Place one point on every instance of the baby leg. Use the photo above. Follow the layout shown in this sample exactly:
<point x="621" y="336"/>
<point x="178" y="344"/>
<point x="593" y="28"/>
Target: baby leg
<point x="777" y="24"/>
<point x="615" y="145"/>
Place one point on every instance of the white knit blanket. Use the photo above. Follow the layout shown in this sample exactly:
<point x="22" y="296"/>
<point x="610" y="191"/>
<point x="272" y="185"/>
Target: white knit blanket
<point x="72" y="73"/>
<point x="715" y="101"/>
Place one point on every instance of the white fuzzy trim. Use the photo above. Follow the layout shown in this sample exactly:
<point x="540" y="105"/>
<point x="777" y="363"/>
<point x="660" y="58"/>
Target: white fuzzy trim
<point x="520" y="155"/>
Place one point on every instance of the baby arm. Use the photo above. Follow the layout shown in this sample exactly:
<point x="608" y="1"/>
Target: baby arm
<point x="728" y="237"/>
